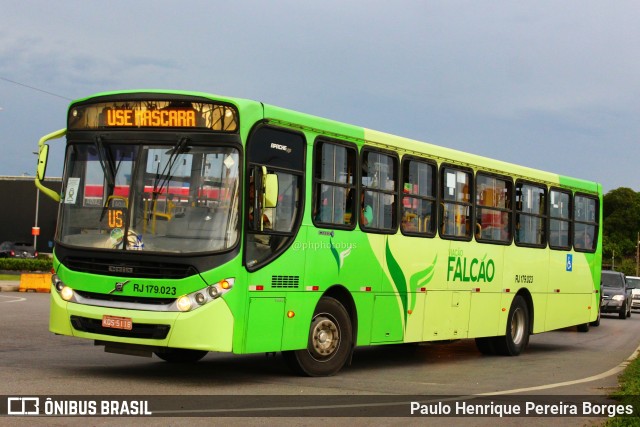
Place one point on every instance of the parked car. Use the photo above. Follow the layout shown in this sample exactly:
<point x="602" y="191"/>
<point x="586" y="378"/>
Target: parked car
<point x="17" y="250"/>
<point x="633" y="282"/>
<point x="616" y="294"/>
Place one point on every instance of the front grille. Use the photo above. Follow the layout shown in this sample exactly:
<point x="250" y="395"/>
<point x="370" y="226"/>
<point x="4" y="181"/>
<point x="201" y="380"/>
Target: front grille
<point x="139" y="269"/>
<point x="123" y="298"/>
<point x="139" y="330"/>
<point x="285" y="281"/>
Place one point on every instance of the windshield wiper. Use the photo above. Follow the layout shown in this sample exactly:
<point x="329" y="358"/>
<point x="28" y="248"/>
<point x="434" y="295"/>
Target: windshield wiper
<point x="106" y="162"/>
<point x="109" y="170"/>
<point x="163" y="179"/>
<point x="166" y="174"/>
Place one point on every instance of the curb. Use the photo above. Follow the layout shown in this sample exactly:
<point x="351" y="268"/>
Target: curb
<point x="9" y="286"/>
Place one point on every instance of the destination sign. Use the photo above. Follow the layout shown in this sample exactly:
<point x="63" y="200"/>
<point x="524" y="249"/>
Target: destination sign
<point x="151" y="118"/>
<point x="154" y="114"/>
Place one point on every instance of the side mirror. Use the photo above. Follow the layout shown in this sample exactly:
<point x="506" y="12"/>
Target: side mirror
<point x="43" y="154"/>
<point x="270" y="185"/>
<point x="42" y="162"/>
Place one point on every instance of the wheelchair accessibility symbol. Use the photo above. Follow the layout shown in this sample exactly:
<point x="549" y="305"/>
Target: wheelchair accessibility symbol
<point x="569" y="262"/>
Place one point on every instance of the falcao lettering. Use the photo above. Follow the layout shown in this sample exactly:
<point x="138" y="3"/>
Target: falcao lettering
<point x="463" y="269"/>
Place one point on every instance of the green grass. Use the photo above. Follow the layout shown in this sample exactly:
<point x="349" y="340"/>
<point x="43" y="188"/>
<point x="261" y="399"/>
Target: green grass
<point x="21" y="264"/>
<point x="628" y="394"/>
<point x="9" y="276"/>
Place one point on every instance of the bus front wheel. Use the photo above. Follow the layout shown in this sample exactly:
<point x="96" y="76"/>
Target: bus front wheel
<point x="517" y="332"/>
<point x="329" y="344"/>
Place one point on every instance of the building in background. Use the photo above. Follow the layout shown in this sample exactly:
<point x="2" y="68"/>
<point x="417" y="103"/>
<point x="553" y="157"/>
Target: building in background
<point x="18" y="211"/>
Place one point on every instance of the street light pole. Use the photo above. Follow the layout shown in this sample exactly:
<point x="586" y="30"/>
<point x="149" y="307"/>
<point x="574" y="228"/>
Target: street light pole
<point x="613" y="260"/>
<point x="638" y="255"/>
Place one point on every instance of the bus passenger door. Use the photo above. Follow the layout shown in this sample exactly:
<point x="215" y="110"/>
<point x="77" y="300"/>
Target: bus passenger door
<point x="274" y="204"/>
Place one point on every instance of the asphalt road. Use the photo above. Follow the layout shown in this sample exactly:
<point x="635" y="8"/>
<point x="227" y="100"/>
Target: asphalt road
<point x="562" y="365"/>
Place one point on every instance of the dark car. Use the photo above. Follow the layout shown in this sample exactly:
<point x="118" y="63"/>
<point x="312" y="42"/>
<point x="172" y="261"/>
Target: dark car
<point x="17" y="250"/>
<point x="616" y="294"/>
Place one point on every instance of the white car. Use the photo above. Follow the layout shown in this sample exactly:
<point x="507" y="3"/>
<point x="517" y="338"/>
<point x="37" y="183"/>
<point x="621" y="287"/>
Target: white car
<point x="633" y="282"/>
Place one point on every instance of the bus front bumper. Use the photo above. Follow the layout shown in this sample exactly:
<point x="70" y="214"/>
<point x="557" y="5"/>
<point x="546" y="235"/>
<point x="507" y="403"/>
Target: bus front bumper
<point x="208" y="328"/>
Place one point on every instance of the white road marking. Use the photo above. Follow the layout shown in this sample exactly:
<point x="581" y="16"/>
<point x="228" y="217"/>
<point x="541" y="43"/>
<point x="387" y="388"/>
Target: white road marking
<point x="12" y="299"/>
<point x="613" y="371"/>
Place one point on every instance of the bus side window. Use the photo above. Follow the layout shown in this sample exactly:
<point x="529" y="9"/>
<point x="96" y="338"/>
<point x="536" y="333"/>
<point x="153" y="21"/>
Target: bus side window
<point x="493" y="208"/>
<point x="380" y="188"/>
<point x="585" y="229"/>
<point x="559" y="219"/>
<point x="418" y="197"/>
<point x="273" y="219"/>
<point x="531" y="215"/>
<point x="456" y="208"/>
<point x="334" y="185"/>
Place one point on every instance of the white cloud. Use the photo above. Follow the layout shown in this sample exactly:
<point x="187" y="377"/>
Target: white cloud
<point x="491" y="77"/>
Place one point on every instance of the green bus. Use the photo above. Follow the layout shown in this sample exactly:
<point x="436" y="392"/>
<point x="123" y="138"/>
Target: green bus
<point x="192" y="222"/>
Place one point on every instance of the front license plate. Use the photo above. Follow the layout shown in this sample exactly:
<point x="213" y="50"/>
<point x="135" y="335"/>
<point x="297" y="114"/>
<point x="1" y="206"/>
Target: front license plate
<point x="115" y="322"/>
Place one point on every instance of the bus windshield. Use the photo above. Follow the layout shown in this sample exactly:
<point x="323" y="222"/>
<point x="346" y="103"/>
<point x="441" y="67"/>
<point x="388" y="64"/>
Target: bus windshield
<point x="180" y="198"/>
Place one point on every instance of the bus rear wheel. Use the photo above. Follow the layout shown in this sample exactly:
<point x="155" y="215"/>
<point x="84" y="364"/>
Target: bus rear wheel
<point x="180" y="355"/>
<point x="329" y="344"/>
<point x="486" y="345"/>
<point x="517" y="332"/>
<point x="597" y="321"/>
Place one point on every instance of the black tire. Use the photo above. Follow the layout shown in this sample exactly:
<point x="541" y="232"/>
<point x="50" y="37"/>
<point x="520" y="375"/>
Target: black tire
<point x="179" y="355"/>
<point x="330" y="342"/>
<point x="622" y="314"/>
<point x="629" y="311"/>
<point x="597" y="321"/>
<point x="516" y="335"/>
<point x="583" y="327"/>
<point x="486" y="345"/>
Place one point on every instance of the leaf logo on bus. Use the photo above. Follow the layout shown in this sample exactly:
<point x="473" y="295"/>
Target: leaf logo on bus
<point x="417" y="280"/>
<point x="340" y="256"/>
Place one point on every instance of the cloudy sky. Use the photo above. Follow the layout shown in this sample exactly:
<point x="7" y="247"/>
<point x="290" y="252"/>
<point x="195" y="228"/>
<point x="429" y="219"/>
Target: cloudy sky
<point x="553" y="85"/>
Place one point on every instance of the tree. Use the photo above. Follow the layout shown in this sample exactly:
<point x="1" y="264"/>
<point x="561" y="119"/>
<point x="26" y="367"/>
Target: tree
<point x="621" y="222"/>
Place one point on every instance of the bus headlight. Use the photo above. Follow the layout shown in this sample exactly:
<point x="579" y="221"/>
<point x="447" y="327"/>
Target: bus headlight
<point x="213" y="292"/>
<point x="183" y="303"/>
<point x="200" y="298"/>
<point x="66" y="293"/>
<point x="203" y="296"/>
<point x="56" y="282"/>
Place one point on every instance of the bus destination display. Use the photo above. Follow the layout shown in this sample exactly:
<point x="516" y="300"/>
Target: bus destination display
<point x="151" y="118"/>
<point x="154" y="114"/>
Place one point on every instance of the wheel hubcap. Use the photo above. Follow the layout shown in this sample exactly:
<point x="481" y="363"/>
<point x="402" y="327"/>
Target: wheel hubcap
<point x="517" y="326"/>
<point x="325" y="337"/>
